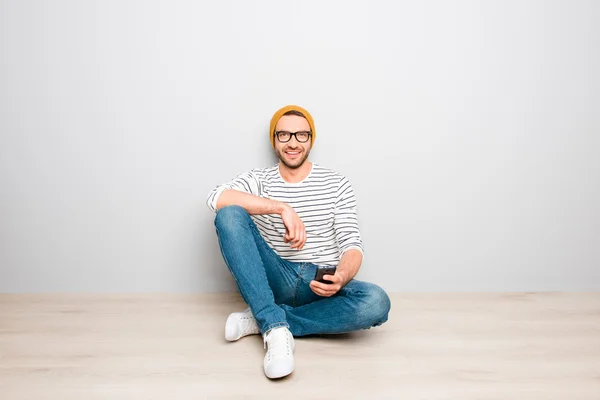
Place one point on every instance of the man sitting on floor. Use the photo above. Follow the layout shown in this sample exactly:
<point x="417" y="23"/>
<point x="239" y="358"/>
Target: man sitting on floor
<point x="275" y="227"/>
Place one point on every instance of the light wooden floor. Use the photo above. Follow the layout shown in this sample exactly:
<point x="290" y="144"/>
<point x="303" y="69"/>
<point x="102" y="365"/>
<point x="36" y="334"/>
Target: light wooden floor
<point x="435" y="346"/>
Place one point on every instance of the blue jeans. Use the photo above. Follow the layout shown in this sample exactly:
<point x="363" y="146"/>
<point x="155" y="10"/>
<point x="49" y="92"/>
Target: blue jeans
<point x="278" y="290"/>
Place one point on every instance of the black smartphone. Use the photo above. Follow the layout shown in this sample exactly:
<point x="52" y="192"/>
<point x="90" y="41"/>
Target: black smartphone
<point x="322" y="271"/>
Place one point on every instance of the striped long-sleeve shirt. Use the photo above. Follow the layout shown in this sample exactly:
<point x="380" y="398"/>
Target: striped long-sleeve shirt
<point x="324" y="201"/>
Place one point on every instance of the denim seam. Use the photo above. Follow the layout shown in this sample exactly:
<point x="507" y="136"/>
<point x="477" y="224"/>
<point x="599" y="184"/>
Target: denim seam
<point x="263" y="244"/>
<point x="296" y="291"/>
<point x="224" y="257"/>
<point x="276" y="325"/>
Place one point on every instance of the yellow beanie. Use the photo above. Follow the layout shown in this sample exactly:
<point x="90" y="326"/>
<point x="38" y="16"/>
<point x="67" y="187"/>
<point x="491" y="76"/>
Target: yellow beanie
<point x="285" y="109"/>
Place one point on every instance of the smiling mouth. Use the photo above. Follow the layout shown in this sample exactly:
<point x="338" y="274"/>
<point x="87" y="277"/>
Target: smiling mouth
<point x="292" y="153"/>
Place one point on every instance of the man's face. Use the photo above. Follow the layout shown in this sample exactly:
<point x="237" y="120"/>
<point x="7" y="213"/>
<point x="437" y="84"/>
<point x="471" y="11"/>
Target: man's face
<point x="293" y="153"/>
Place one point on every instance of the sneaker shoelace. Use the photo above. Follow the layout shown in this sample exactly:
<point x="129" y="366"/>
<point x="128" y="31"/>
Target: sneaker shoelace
<point x="248" y="324"/>
<point x="281" y="346"/>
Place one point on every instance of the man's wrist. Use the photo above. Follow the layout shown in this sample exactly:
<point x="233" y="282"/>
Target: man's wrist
<point x="279" y="207"/>
<point x="344" y="277"/>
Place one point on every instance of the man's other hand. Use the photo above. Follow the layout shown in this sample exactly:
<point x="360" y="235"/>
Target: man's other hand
<point x="295" y="232"/>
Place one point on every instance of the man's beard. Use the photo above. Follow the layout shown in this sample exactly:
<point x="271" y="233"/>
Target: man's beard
<point x="296" y="163"/>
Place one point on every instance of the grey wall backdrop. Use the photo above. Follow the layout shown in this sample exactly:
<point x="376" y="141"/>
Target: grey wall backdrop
<point x="470" y="131"/>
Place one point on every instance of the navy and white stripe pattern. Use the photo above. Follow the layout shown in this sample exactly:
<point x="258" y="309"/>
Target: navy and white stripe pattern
<point x="324" y="201"/>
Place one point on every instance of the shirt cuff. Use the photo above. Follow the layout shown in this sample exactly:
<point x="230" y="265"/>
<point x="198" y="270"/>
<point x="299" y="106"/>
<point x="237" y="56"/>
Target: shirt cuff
<point x="215" y="199"/>
<point x="354" y="248"/>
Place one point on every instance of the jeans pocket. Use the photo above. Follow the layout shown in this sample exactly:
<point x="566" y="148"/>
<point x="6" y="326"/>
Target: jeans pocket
<point x="304" y="293"/>
<point x="308" y="272"/>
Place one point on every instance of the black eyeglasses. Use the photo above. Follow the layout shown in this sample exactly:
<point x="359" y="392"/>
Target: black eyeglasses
<point x="285" y="136"/>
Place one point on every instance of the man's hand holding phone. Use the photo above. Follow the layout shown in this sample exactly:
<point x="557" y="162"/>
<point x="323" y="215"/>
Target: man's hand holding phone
<point x="338" y="281"/>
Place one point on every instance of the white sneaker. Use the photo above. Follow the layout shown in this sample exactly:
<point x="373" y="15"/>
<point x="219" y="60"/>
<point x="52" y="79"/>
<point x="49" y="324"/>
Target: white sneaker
<point x="279" y="360"/>
<point x="240" y="324"/>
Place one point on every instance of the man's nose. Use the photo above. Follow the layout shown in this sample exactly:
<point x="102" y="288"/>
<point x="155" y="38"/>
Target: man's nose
<point x="293" y="142"/>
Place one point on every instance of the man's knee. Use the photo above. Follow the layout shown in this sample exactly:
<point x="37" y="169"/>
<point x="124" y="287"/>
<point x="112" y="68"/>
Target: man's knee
<point x="376" y="306"/>
<point x="230" y="217"/>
